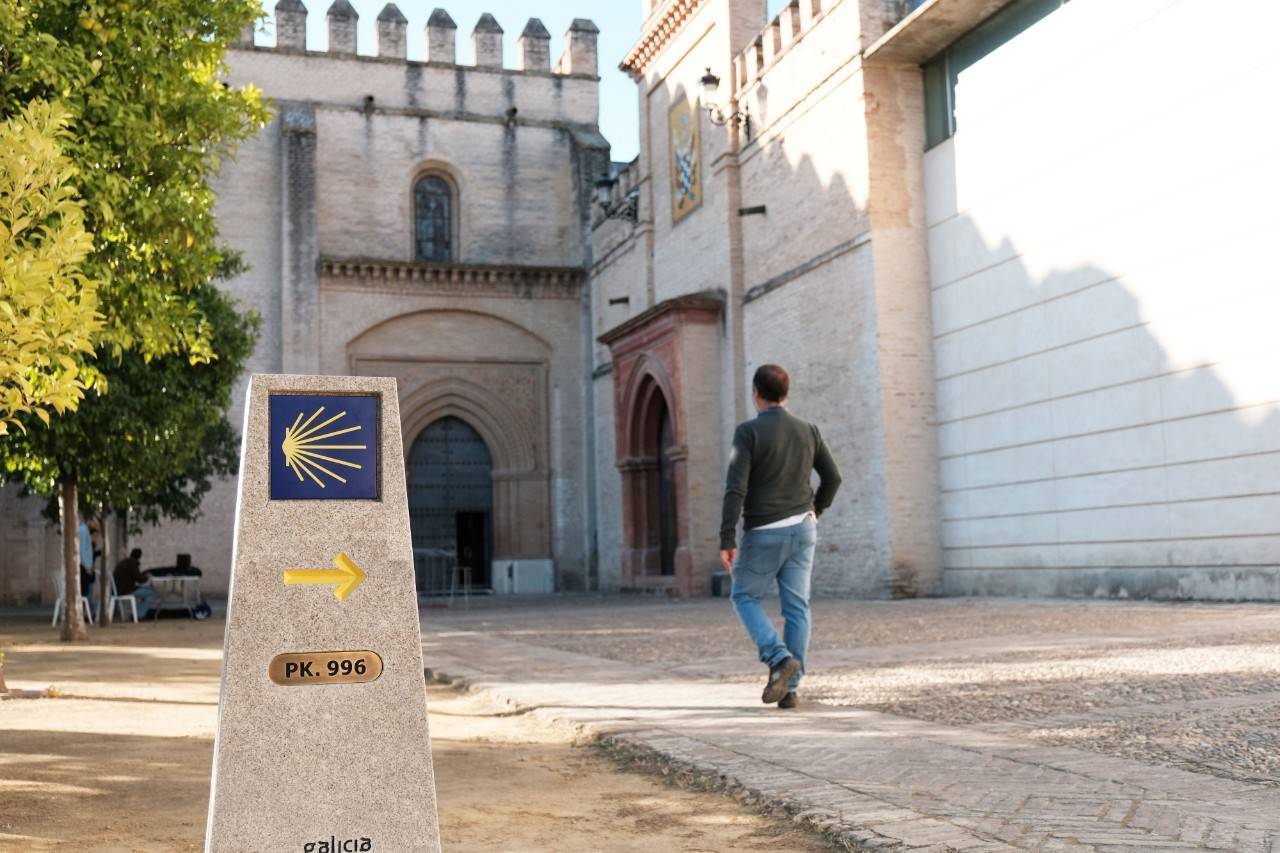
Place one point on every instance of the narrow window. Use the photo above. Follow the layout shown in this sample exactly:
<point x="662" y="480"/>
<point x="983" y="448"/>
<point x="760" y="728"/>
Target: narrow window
<point x="433" y="220"/>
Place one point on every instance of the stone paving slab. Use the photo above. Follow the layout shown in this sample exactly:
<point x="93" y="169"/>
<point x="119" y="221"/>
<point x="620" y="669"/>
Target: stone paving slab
<point x="1063" y="643"/>
<point x="873" y="780"/>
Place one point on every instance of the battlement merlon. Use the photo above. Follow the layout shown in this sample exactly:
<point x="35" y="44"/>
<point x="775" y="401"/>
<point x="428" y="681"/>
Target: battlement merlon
<point x="392" y="29"/>
<point x="580" y="57"/>
<point x="343" y="20"/>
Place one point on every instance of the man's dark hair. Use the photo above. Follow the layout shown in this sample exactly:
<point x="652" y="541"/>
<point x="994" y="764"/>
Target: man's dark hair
<point x="136" y="552"/>
<point x="772" y="383"/>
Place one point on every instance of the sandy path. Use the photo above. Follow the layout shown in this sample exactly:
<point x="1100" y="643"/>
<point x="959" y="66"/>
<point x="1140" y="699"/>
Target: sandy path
<point x="120" y="761"/>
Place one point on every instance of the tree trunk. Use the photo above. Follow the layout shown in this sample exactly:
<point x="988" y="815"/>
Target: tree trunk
<point x="73" y="627"/>
<point x="104" y="570"/>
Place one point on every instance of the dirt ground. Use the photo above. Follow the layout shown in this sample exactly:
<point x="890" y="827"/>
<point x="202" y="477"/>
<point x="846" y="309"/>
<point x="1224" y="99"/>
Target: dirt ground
<point x="120" y="761"/>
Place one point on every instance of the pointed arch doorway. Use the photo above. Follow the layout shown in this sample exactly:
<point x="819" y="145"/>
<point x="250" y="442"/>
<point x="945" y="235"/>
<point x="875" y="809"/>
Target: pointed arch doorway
<point x="451" y="495"/>
<point x="653" y="483"/>
<point x="666" y="388"/>
<point x="659" y="522"/>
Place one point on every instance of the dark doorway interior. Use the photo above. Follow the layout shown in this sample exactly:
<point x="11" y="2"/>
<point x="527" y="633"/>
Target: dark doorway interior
<point x="657" y="520"/>
<point x="451" y="497"/>
<point x="666" y="497"/>
<point x="473" y="544"/>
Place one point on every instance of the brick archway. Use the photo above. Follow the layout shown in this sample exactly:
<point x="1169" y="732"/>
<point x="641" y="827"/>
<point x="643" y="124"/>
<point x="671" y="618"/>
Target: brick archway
<point x="662" y="547"/>
<point x="654" y="478"/>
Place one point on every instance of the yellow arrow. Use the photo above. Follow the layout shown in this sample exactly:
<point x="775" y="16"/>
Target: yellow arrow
<point x="345" y="577"/>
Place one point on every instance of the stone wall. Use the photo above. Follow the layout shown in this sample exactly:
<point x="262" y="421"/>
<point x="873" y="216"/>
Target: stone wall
<point x="330" y="181"/>
<point x="836" y="287"/>
<point x="813" y="277"/>
<point x="700" y="252"/>
<point x="619" y="280"/>
<point x="657" y="260"/>
<point x="498" y="359"/>
<point x="30" y="551"/>
<point x="808" y="272"/>
<point x="821" y="327"/>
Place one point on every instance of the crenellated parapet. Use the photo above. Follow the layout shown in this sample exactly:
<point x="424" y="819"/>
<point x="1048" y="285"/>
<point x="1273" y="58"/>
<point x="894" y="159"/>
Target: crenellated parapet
<point x="795" y="19"/>
<point x="580" y="57"/>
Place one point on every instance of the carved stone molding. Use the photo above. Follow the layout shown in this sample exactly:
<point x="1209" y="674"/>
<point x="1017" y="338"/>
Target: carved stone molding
<point x="509" y="282"/>
<point x="665" y="27"/>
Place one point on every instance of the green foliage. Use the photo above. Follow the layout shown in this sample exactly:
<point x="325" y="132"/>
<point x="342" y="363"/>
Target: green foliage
<point x="154" y="443"/>
<point x="149" y="121"/>
<point x="48" y="308"/>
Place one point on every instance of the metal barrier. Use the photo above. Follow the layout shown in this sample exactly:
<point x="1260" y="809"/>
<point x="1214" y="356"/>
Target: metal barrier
<point x="436" y="573"/>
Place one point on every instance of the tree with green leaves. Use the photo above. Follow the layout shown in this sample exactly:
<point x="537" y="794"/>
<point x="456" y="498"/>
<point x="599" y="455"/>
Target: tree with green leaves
<point x="149" y="122"/>
<point x="151" y="446"/>
<point x="48" y="308"/>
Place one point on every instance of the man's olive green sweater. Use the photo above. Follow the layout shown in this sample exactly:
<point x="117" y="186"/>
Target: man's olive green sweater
<point x="769" y="468"/>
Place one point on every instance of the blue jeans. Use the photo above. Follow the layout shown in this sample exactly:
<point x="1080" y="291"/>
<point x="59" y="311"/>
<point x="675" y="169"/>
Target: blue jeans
<point x="783" y="555"/>
<point x="146" y="597"/>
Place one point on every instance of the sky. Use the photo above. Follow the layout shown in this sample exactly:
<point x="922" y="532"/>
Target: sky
<point x="618" y="20"/>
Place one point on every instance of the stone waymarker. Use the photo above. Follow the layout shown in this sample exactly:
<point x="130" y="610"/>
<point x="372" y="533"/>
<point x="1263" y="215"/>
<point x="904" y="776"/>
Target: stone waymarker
<point x="322" y="742"/>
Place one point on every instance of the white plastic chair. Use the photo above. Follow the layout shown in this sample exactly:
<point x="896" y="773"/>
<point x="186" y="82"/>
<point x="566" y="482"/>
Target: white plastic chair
<point x="121" y="600"/>
<point x="61" y="603"/>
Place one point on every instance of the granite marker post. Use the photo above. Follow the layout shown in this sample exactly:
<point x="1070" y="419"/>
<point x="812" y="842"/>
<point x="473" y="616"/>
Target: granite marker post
<point x="322" y="724"/>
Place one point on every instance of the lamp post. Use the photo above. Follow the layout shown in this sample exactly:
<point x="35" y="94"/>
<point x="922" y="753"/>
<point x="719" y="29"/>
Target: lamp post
<point x="719" y="115"/>
<point x="628" y="208"/>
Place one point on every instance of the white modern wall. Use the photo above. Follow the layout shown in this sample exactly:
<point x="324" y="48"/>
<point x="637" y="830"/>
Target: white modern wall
<point x="1101" y="233"/>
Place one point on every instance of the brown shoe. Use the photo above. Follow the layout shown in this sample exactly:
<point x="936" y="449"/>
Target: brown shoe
<point x="789" y="701"/>
<point x="780" y="675"/>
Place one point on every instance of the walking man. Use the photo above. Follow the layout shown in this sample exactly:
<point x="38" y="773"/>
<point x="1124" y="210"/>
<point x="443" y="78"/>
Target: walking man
<point x="768" y="484"/>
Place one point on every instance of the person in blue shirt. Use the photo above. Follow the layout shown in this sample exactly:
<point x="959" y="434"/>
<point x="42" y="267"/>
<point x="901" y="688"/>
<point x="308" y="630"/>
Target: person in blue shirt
<point x="87" y="574"/>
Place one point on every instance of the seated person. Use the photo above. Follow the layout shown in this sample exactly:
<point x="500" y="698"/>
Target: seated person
<point x="132" y="580"/>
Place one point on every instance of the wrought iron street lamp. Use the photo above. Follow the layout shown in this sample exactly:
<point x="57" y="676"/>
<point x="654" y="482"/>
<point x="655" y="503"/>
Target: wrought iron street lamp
<point x="717" y="113"/>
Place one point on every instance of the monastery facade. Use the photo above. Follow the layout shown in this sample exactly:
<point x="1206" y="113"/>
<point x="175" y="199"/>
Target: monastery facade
<point x="1014" y="255"/>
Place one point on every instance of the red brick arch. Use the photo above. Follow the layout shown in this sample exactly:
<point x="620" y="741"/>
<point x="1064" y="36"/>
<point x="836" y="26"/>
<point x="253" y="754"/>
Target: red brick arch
<point x="648" y="377"/>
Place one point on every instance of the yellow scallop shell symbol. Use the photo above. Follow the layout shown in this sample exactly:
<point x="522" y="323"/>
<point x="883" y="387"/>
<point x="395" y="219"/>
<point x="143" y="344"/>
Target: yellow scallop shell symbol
<point x="302" y="447"/>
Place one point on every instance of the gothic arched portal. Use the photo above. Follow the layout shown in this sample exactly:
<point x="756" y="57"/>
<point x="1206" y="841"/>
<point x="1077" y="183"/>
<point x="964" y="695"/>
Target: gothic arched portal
<point x="451" y="494"/>
<point x="491" y="375"/>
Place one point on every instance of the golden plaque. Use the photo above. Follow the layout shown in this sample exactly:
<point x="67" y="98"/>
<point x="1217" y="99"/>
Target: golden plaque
<point x="300" y="669"/>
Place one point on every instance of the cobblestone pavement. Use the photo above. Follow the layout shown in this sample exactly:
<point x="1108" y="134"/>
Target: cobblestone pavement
<point x="944" y="724"/>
